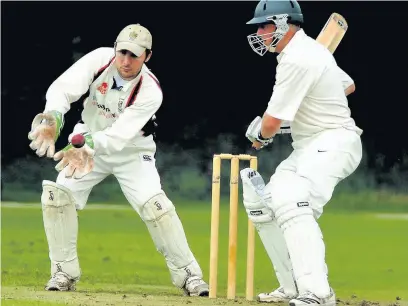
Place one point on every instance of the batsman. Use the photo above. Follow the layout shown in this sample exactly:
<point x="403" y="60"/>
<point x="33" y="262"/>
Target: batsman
<point x="115" y="136"/>
<point x="310" y="92"/>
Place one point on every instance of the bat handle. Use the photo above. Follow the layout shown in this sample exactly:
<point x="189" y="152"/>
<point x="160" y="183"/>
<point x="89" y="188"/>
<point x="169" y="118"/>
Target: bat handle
<point x="256" y="145"/>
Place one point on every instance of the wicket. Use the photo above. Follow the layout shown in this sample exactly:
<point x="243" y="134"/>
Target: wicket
<point x="233" y="228"/>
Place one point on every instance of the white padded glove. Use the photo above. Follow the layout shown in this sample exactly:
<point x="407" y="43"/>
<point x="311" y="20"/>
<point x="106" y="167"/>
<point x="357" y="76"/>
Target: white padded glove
<point x="253" y="133"/>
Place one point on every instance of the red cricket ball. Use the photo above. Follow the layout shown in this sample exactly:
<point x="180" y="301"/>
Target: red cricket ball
<point x="78" y="140"/>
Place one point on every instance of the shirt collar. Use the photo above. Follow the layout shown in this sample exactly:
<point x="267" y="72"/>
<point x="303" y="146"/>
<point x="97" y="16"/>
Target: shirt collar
<point x="296" y="39"/>
<point x="132" y="83"/>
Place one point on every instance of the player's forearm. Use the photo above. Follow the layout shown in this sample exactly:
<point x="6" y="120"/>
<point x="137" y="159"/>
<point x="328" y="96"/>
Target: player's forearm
<point x="111" y="140"/>
<point x="270" y="126"/>
<point x="347" y="82"/>
<point x="349" y="90"/>
<point x="57" y="100"/>
<point x="75" y="81"/>
<point x="68" y="88"/>
<point x="106" y="144"/>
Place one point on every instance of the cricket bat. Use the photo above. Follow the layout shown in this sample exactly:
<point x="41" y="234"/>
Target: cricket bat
<point x="333" y="32"/>
<point x="330" y="36"/>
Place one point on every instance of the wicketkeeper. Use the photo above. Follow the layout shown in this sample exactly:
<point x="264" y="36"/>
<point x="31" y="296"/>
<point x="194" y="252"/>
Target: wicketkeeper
<point x="310" y="93"/>
<point x="118" y="120"/>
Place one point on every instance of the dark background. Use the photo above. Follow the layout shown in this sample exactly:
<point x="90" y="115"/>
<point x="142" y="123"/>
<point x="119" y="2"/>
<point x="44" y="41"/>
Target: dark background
<point x="212" y="81"/>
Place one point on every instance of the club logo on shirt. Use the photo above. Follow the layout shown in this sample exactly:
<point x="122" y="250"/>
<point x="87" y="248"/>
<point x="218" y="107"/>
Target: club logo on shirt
<point x="103" y="88"/>
<point x="120" y="105"/>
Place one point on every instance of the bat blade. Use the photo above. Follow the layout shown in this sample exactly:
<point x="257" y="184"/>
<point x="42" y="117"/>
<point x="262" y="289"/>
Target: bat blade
<point x="333" y="32"/>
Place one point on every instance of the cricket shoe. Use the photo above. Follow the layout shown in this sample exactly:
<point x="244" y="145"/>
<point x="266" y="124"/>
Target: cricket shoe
<point x="276" y="296"/>
<point x="195" y="286"/>
<point x="60" y="281"/>
<point x="309" y="299"/>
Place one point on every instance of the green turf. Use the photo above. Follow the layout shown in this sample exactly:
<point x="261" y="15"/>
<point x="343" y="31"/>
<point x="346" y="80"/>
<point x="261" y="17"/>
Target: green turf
<point x="367" y="255"/>
<point x="10" y="302"/>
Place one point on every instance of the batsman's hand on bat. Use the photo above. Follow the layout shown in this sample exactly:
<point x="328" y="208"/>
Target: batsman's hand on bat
<point x="253" y="133"/>
<point x="45" y="130"/>
<point x="77" y="157"/>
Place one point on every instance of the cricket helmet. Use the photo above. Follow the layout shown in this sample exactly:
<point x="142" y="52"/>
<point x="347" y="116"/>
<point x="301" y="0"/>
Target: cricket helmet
<point x="281" y="13"/>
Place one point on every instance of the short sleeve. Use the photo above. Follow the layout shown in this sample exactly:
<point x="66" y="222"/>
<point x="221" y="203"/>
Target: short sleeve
<point x="293" y="83"/>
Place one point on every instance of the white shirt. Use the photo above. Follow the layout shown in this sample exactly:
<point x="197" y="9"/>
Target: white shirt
<point x="114" y="116"/>
<point x="309" y="89"/>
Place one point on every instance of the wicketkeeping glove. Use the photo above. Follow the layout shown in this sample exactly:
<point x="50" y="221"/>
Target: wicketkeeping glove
<point x="45" y="130"/>
<point x="77" y="162"/>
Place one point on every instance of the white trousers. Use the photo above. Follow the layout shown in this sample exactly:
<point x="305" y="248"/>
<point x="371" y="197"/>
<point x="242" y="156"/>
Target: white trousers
<point x="323" y="161"/>
<point x="140" y="182"/>
<point x="300" y="188"/>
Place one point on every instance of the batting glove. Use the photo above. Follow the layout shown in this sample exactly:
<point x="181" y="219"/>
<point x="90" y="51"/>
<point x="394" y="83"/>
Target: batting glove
<point x="253" y="133"/>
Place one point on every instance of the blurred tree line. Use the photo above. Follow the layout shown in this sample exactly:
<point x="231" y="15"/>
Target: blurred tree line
<point x="187" y="173"/>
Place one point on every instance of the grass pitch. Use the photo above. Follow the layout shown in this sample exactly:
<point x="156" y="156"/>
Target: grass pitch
<point x="366" y="253"/>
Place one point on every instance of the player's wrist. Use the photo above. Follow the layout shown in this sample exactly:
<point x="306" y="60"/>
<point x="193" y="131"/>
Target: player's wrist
<point x="59" y="121"/>
<point x="263" y="140"/>
<point x="260" y="137"/>
<point x="89" y="141"/>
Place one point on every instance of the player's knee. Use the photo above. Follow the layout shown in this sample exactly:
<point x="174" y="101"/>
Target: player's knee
<point x="290" y="200"/>
<point x="291" y="214"/>
<point x="258" y="212"/>
<point x="156" y="207"/>
<point x="56" y="195"/>
<point x="80" y="197"/>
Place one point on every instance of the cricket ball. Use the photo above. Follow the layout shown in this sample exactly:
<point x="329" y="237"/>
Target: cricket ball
<point x="78" y="140"/>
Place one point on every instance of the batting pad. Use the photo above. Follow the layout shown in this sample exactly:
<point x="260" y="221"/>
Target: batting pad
<point x="253" y="196"/>
<point x="61" y="228"/>
<point x="294" y="215"/>
<point x="306" y="247"/>
<point x="268" y="230"/>
<point x="275" y="245"/>
<point x="168" y="235"/>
